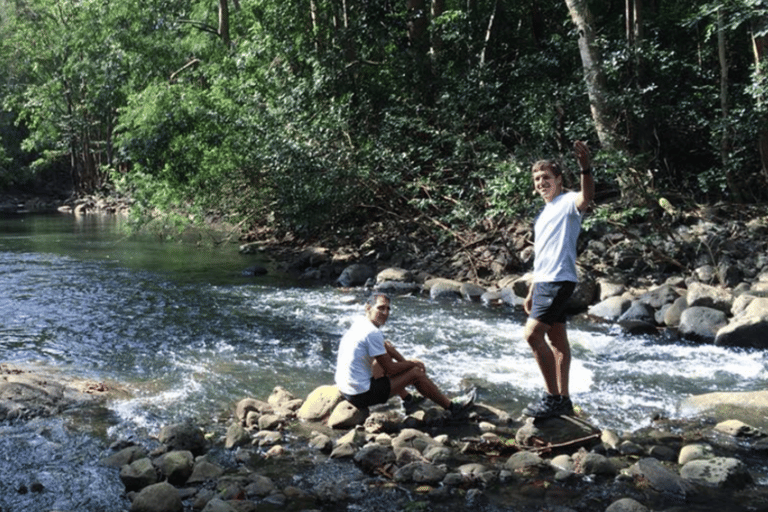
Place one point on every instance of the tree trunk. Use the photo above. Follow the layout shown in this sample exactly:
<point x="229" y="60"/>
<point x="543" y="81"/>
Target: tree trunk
<point x="725" y="135"/>
<point x="224" y="22"/>
<point x="594" y="77"/>
<point x="488" y="32"/>
<point x="438" y="8"/>
<point x="759" y="47"/>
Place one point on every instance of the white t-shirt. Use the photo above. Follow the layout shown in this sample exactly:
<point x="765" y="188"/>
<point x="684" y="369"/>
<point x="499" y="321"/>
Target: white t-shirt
<point x="556" y="232"/>
<point x="357" y="350"/>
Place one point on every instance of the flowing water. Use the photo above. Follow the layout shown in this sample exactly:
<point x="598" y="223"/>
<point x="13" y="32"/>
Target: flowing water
<point x="188" y="335"/>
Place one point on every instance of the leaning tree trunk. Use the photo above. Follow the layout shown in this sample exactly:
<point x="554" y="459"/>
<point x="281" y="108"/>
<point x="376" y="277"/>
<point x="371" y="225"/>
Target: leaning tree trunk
<point x="760" y="48"/>
<point x="594" y="78"/>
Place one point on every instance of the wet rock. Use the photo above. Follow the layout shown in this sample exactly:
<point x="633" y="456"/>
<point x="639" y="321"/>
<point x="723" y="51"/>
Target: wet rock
<point x="745" y="332"/>
<point x="205" y="471"/>
<point x="717" y="472"/>
<point x="162" y="497"/>
<point x="183" y="436"/>
<point x="176" y="466"/>
<point x="661" y="478"/>
<point x="355" y="275"/>
<point x="236" y="436"/>
<point x="249" y="405"/>
<point x="125" y="456"/>
<point x="138" y="474"/>
<point x="374" y="456"/>
<point x="420" y="472"/>
<point x="611" y="308"/>
<point x="443" y="289"/>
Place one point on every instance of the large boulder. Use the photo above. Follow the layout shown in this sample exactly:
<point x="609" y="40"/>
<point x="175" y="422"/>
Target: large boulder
<point x="611" y="308"/>
<point x="746" y="332"/>
<point x="356" y="274"/>
<point x="183" y="436"/>
<point x="700" y="323"/>
<point x="704" y="295"/>
<point x="720" y="472"/>
<point x="320" y="403"/>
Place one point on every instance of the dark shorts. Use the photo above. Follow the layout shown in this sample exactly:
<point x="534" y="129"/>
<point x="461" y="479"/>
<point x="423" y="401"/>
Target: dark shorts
<point x="378" y="393"/>
<point x="549" y="300"/>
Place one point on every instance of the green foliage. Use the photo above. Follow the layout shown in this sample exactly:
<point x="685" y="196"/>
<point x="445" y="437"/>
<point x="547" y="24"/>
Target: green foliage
<point x="329" y="119"/>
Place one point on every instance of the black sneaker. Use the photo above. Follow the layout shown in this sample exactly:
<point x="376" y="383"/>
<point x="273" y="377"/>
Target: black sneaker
<point x="461" y="403"/>
<point x="550" y="406"/>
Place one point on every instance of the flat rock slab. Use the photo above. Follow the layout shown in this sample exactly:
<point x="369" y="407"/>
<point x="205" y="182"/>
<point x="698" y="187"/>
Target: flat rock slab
<point x="30" y="392"/>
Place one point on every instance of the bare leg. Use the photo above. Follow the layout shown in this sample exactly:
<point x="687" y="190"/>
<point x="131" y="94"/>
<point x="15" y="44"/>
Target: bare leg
<point x="417" y="377"/>
<point x="379" y="372"/>
<point x="535" y="332"/>
<point x="561" y="350"/>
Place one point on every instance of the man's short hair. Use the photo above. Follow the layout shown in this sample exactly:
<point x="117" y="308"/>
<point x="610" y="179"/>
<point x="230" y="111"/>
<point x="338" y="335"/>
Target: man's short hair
<point x="543" y="165"/>
<point x="374" y="297"/>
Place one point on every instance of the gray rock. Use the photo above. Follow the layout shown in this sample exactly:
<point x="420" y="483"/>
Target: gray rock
<point x="346" y="415"/>
<point x="626" y="505"/>
<point x="394" y="288"/>
<point x="525" y="462"/>
<point x="717" y="472"/>
<point x="218" y="505"/>
<point x="236" y="436"/>
<point x="638" y="312"/>
<point x="611" y="308"/>
<point x="660" y="478"/>
<point x="707" y="296"/>
<point x="660" y="296"/>
<point x="176" y="466"/>
<point x="675" y="311"/>
<point x="420" y="472"/>
<point x="162" y="497"/>
<point x="355" y="275"/>
<point x="440" y="288"/>
<point x="374" y="456"/>
<point x="204" y="471"/>
<point x="138" y="474"/>
<point x="695" y="451"/>
<point x="125" y="456"/>
<point x="183" y="436"/>
<point x="700" y="323"/>
<point x="745" y="332"/>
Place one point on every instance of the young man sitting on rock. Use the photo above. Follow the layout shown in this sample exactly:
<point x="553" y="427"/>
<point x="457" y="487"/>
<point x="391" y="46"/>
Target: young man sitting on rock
<point x="370" y="370"/>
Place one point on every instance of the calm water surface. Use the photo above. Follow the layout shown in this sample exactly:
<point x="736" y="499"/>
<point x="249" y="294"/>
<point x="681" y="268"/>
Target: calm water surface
<point x="180" y="327"/>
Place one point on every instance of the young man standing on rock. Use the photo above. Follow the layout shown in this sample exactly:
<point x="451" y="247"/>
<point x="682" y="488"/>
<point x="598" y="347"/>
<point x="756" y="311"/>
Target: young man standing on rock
<point x="370" y="370"/>
<point x="556" y="232"/>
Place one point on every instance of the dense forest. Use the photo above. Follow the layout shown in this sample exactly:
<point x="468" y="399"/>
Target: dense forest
<point x="312" y="116"/>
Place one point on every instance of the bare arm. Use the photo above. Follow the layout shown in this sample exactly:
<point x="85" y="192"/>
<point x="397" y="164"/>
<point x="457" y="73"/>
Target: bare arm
<point x="587" y="192"/>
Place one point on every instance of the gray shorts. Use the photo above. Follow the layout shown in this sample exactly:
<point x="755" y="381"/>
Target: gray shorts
<point x="549" y="301"/>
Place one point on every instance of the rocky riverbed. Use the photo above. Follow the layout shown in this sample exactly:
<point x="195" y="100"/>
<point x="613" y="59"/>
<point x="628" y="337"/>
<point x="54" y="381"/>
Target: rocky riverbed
<point x="702" y="277"/>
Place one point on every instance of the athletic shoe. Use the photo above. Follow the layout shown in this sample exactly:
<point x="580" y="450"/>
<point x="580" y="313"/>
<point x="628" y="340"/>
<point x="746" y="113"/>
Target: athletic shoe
<point x="550" y="406"/>
<point x="461" y="403"/>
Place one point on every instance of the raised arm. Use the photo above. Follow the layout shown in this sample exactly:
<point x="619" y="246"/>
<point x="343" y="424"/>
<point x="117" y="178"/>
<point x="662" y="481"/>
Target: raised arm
<point x="587" y="192"/>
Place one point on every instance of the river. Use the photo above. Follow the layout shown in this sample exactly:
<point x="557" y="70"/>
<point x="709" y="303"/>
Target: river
<point x="189" y="335"/>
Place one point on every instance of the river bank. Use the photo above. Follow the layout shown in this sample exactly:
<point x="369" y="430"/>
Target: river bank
<point x="293" y="465"/>
<point x="292" y="453"/>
